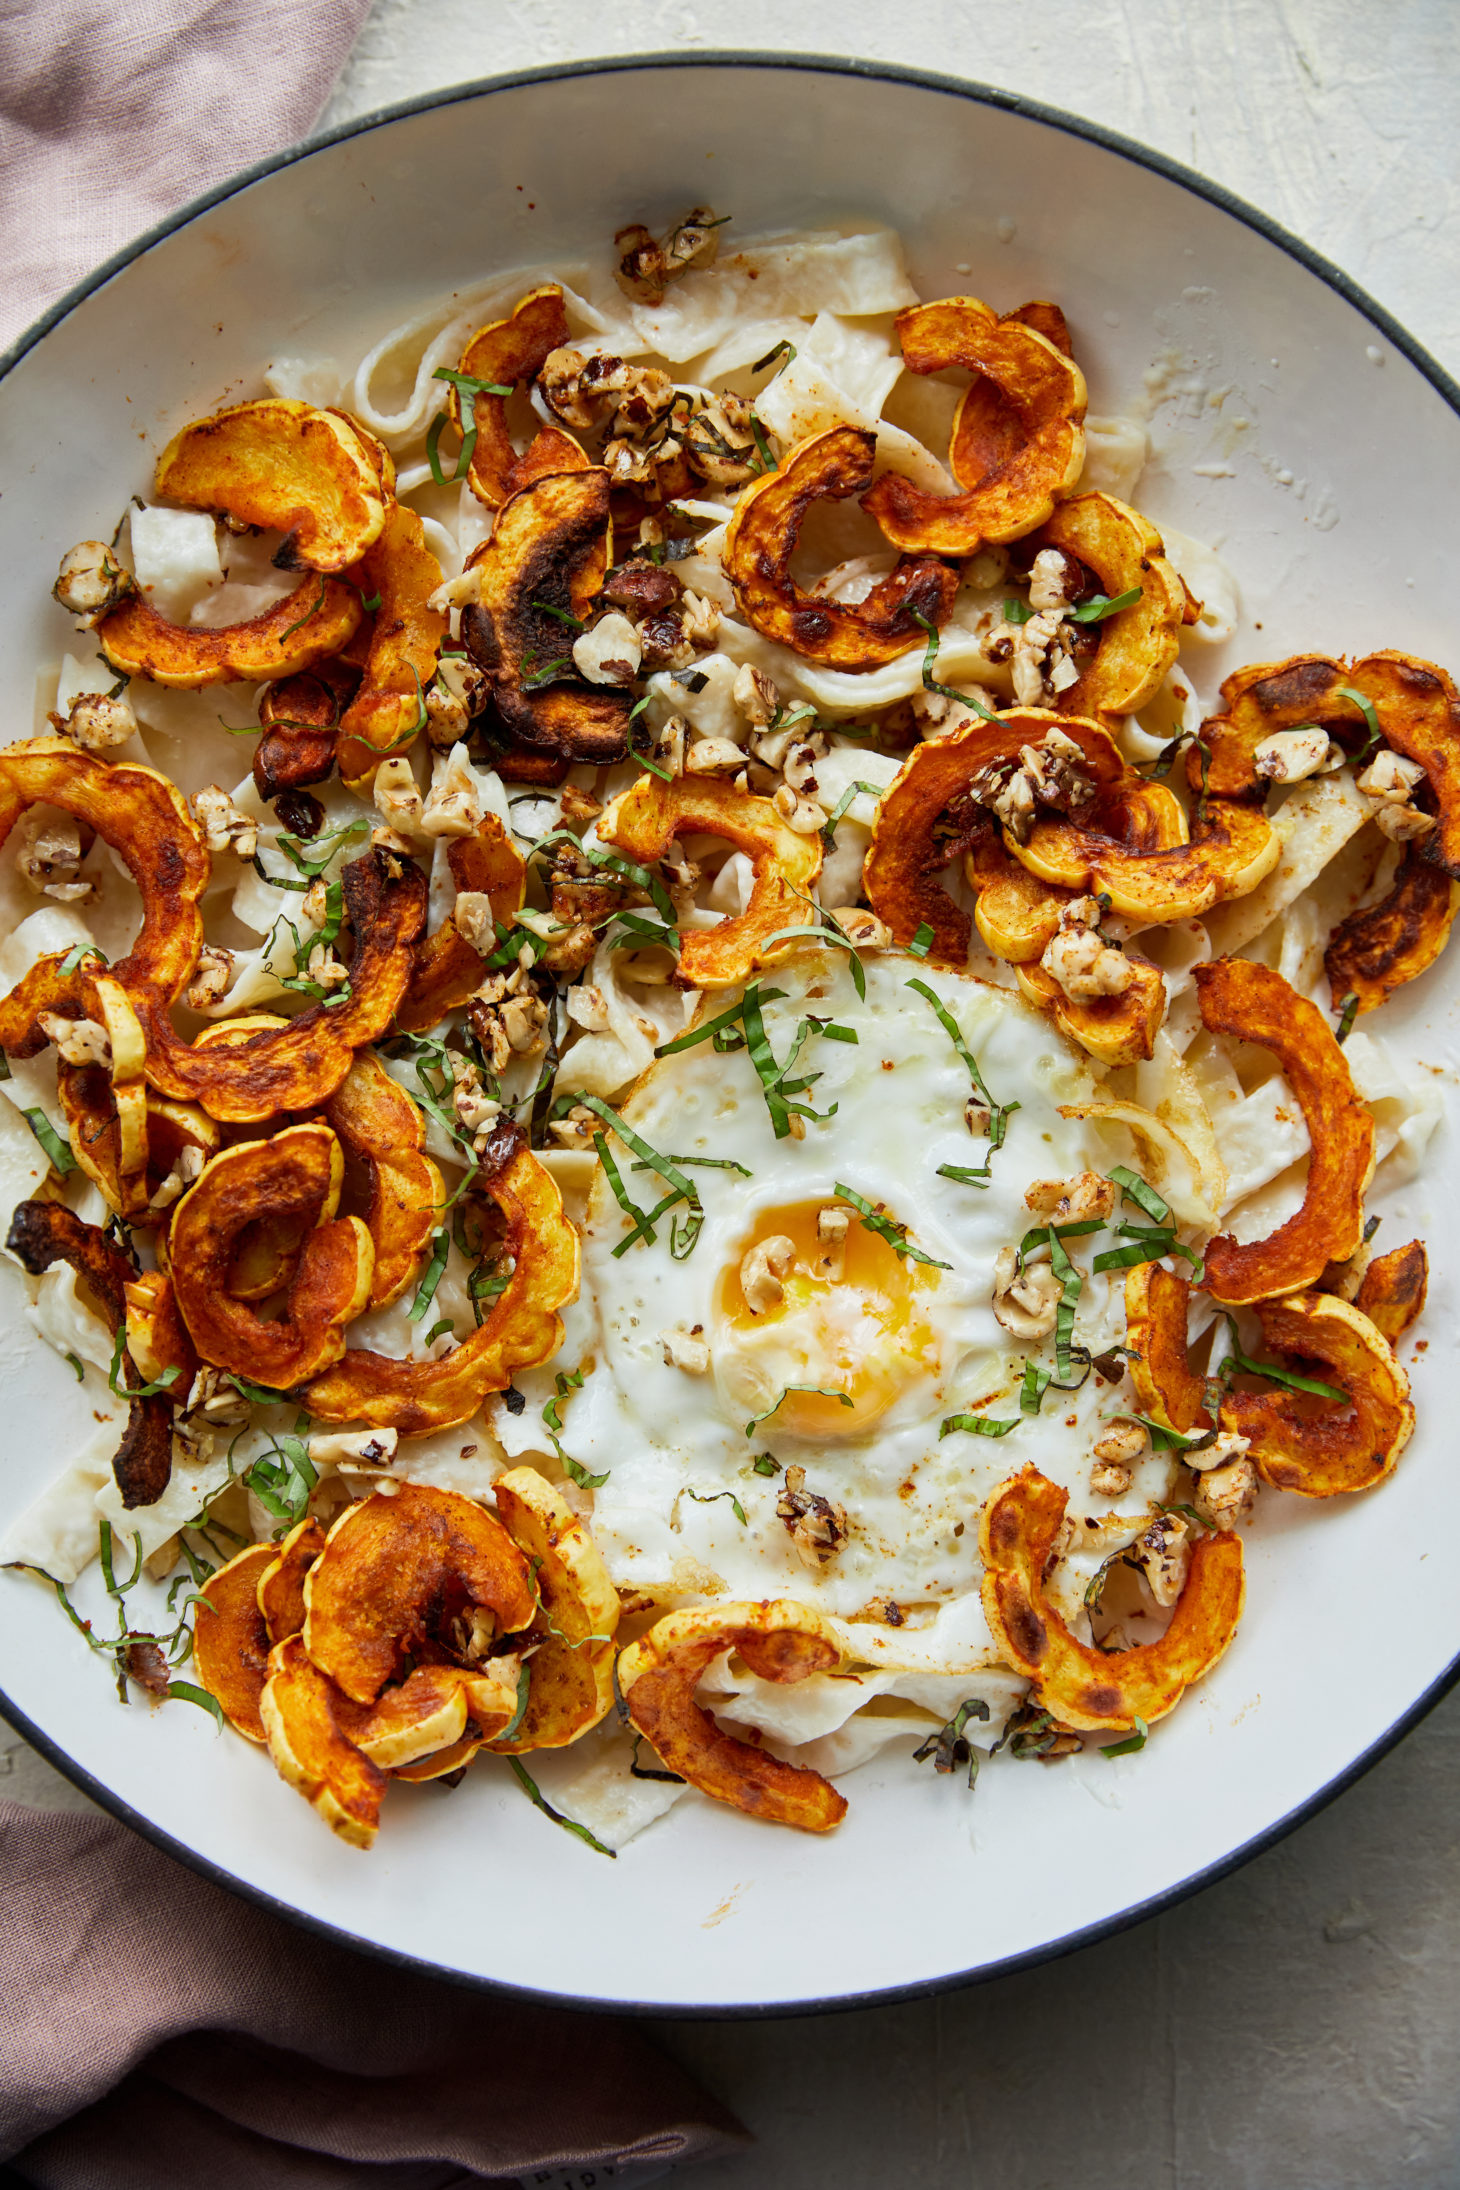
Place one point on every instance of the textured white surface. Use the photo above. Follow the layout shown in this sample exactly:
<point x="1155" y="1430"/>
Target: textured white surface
<point x="1294" y="2028"/>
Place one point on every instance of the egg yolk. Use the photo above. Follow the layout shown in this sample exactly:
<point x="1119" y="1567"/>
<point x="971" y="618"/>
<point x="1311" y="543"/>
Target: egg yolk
<point x="848" y="1318"/>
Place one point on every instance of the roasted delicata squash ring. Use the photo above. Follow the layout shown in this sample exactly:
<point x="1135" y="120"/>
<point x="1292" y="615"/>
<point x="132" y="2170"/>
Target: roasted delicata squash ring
<point x="380" y="1126"/>
<point x="308" y="626"/>
<point x="300" y="1064"/>
<point x="297" y="1173"/>
<point x="571" y="1672"/>
<point x="45" y="1232"/>
<point x="1232" y="850"/>
<point x="300" y="720"/>
<point x="231" y="1641"/>
<point x="1160" y="1368"/>
<point x="1375" y="952"/>
<point x="1082" y="1686"/>
<point x="644" y="820"/>
<point x="145" y="820"/>
<point x="1118" y="1030"/>
<point x="1251" y="1003"/>
<point x="1319" y="1447"/>
<point x="400" y="1579"/>
<point x="281" y="1582"/>
<point x="92" y="1127"/>
<point x="157" y="1338"/>
<point x="780" y="1641"/>
<point x="285" y="467"/>
<point x="405" y="641"/>
<point x="907" y="855"/>
<point x="429" y="1711"/>
<point x="448" y="972"/>
<point x="310" y="1749"/>
<point x="1393" y="1291"/>
<point x="522" y="1329"/>
<point x="1018" y="436"/>
<point x="1137" y="645"/>
<point x="1017" y="915"/>
<point x="546" y="559"/>
<point x="1417" y="707"/>
<point x="506" y="353"/>
<point x="761" y="539"/>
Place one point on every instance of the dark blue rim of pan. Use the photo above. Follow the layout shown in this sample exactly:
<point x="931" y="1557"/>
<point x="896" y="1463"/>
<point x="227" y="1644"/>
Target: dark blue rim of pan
<point x="1052" y="118"/>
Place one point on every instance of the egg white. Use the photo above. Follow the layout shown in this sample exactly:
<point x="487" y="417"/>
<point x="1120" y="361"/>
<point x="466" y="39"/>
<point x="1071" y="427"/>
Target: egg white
<point x="670" y="1443"/>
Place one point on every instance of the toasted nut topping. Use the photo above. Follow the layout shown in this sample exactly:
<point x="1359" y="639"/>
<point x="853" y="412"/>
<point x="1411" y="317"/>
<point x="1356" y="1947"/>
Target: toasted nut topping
<point x="1025" y="1303"/>
<point x="1110" y="1479"/>
<point x="1123" y="1440"/>
<point x="577" y="1128"/>
<point x="210" y="981"/>
<point x="832" y="1225"/>
<point x="1289" y="756"/>
<point x="818" y="1526"/>
<point x="978" y="1117"/>
<point x="1401" y="824"/>
<point x="1041" y="663"/>
<point x="713" y="757"/>
<point x="97" y="722"/>
<point x="48" y="855"/>
<point x="523" y="1021"/>
<point x="189" y="1166"/>
<point x="223" y="824"/>
<point x="372" y="1447"/>
<point x="1054" y="579"/>
<point x="646" y="265"/>
<point x="1085" y="967"/>
<point x="687" y="1349"/>
<point x="453" y="804"/>
<point x="1163" y="1554"/>
<point x="1226" y="1446"/>
<point x="762" y="1269"/>
<point x="472" y="915"/>
<point x="1227" y="1495"/>
<point x="80" y="1041"/>
<point x="719" y="444"/>
<point x="1087" y="1194"/>
<point x="754" y="694"/>
<point x="610" y="651"/>
<point x="799" y="764"/>
<point x="91" y="583"/>
<point x="862" y="927"/>
<point x="801" y="814"/>
<point x="1390" y="776"/>
<point x="397" y="796"/>
<point x="701" y="621"/>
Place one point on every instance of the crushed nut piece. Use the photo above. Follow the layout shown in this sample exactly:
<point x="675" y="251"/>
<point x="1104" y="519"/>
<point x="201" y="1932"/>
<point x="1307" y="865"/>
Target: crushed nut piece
<point x="91" y="583"/>
<point x="1226" y="1496"/>
<point x="79" y="1041"/>
<point x="48" y="855"/>
<point x="801" y="814"/>
<point x="713" y="757"/>
<point x="1025" y="1302"/>
<point x="818" y="1526"/>
<point x="368" y="1448"/>
<point x="188" y="1167"/>
<point x="1055" y="579"/>
<point x="719" y="443"/>
<point x="687" y="1349"/>
<point x="1068" y="1201"/>
<point x="577" y="1129"/>
<point x="99" y="722"/>
<point x="524" y="1019"/>
<point x="862" y="927"/>
<point x="1086" y="967"/>
<point x="755" y="695"/>
<point x="225" y="826"/>
<point x="1227" y="1445"/>
<point x="1290" y="756"/>
<point x="762" y="1268"/>
<point x="1122" y="1440"/>
<point x="398" y="797"/>
<point x="453" y="805"/>
<point x="832" y="1226"/>
<point x="1164" y="1555"/>
<point x="609" y="651"/>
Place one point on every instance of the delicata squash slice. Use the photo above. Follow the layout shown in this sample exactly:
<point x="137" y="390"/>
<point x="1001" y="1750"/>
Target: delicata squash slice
<point x="1251" y="1003"/>
<point x="1416" y="703"/>
<point x="927" y="816"/>
<point x="644" y="820"/>
<point x="380" y="1126"/>
<point x="761" y="539"/>
<point x="505" y="354"/>
<point x="419" y="1575"/>
<point x="1118" y="1030"/>
<point x="571" y="1671"/>
<point x="448" y="971"/>
<point x="780" y="1641"/>
<point x="1136" y="646"/>
<point x="388" y="710"/>
<point x="1082" y="1686"/>
<point x="46" y="1232"/>
<point x="310" y="1749"/>
<point x="296" y="1174"/>
<point x="1376" y="951"/>
<point x="231" y="1641"/>
<point x="522" y="1329"/>
<point x="308" y="626"/>
<point x="1394" y="1288"/>
<point x="299" y="1064"/>
<point x="281" y="1582"/>
<point x="286" y="467"/>
<point x="145" y="820"/>
<point x="1168" y="1388"/>
<point x="1018" y="436"/>
<point x="1231" y="850"/>
<point x="546" y="560"/>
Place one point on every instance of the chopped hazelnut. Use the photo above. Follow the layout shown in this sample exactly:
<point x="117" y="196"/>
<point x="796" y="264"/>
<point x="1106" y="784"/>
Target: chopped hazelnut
<point x="79" y="1041"/>
<point x="1085" y="967"/>
<point x="99" y="721"/>
<point x="91" y="583"/>
<point x="801" y="814"/>
<point x="1290" y="756"/>
<point x="223" y="824"/>
<point x="761" y="1270"/>
<point x="1226" y="1495"/>
<point x="754" y="694"/>
<point x="687" y="1349"/>
<point x="48" y="855"/>
<point x="610" y="651"/>
<point x="818" y="1526"/>
<point x="1025" y="1303"/>
<point x="211" y="977"/>
<point x="1067" y="1201"/>
<point x="1163" y="1555"/>
<point x="862" y="927"/>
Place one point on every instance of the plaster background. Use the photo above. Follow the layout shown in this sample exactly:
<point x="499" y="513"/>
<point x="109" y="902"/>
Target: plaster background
<point x="1295" y="2027"/>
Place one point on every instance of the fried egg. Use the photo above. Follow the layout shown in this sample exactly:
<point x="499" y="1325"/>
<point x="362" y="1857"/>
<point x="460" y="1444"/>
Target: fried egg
<point x="853" y="1363"/>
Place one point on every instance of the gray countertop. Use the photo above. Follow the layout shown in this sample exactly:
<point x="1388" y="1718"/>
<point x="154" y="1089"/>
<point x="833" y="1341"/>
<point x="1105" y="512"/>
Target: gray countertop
<point x="1294" y="2027"/>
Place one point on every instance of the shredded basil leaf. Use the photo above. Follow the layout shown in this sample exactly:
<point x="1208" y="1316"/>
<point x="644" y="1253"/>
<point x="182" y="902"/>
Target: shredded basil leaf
<point x="1101" y="605"/>
<point x="1370" y="714"/>
<point x="524" y="1690"/>
<point x="765" y="1464"/>
<point x="822" y="1390"/>
<point x="535" y="1795"/>
<point x="59" y="1153"/>
<point x="1235" y="1362"/>
<point x="709" y="1497"/>
<point x="999" y="1113"/>
<point x="164" y="1382"/>
<point x="950" y="1744"/>
<point x="979" y="1425"/>
<point x="886" y="1228"/>
<point x="930" y="683"/>
<point x="1348" y="1012"/>
<point x="313" y="610"/>
<point x="1131" y="1744"/>
<point x="1017" y="612"/>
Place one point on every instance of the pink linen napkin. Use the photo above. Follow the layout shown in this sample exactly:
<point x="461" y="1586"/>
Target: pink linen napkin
<point x="115" y="112"/>
<point x="160" y="2034"/>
